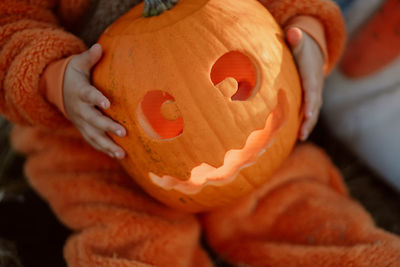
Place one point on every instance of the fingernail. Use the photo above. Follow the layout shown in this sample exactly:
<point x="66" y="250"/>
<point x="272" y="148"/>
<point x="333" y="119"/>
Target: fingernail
<point x="304" y="136"/>
<point x="117" y="154"/>
<point x="119" y="133"/>
<point x="95" y="45"/>
<point x="104" y="104"/>
<point x="309" y="114"/>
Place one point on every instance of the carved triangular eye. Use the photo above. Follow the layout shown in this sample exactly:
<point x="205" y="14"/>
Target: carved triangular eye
<point x="159" y="115"/>
<point x="235" y="75"/>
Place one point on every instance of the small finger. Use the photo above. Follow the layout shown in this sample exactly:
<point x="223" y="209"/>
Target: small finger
<point x="92" y="142"/>
<point x="305" y="132"/>
<point x="89" y="58"/>
<point x="94" y="97"/>
<point x="110" y="147"/>
<point x="313" y="106"/>
<point x="309" y="123"/>
<point x="104" y="143"/>
<point x="106" y="124"/>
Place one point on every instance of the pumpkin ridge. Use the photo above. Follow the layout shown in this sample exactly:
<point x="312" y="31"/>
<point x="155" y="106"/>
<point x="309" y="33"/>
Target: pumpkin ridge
<point x="206" y="121"/>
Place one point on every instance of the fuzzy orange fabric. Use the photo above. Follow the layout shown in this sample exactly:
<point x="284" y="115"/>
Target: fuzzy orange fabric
<point x="302" y="216"/>
<point x="117" y="224"/>
<point x="29" y="40"/>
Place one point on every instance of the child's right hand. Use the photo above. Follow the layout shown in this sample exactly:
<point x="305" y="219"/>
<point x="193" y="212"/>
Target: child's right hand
<point x="81" y="100"/>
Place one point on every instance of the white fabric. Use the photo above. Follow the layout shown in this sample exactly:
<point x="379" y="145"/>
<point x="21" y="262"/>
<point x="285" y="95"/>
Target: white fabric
<point x="365" y="113"/>
<point x="360" y="11"/>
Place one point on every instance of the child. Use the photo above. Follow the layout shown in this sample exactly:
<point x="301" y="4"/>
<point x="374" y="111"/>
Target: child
<point x="362" y="97"/>
<point x="302" y="216"/>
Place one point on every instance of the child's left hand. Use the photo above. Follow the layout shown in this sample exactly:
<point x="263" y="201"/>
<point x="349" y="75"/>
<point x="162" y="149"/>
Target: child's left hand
<point x="310" y="63"/>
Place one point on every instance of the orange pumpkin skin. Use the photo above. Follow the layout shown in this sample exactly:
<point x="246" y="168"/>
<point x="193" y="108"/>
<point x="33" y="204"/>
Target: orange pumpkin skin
<point x="209" y="95"/>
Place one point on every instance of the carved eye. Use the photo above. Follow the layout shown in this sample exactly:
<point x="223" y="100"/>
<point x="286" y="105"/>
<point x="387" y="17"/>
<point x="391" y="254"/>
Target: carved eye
<point x="235" y="75"/>
<point x="159" y="115"/>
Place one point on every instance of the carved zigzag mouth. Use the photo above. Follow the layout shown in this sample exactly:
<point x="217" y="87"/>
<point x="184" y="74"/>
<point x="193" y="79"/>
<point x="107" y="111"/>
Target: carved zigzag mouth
<point x="235" y="159"/>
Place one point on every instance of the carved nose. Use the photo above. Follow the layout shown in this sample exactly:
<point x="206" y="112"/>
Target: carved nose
<point x="228" y="87"/>
<point x="170" y="111"/>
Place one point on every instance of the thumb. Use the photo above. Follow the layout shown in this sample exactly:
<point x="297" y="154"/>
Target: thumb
<point x="294" y="37"/>
<point x="86" y="60"/>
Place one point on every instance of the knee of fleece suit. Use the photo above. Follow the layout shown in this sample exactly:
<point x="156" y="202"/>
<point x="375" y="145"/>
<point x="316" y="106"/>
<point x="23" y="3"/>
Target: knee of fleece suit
<point x="304" y="194"/>
<point x="301" y="222"/>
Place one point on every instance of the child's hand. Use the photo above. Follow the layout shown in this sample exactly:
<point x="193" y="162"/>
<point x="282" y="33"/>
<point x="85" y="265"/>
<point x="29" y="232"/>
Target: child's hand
<point x="81" y="100"/>
<point x="310" y="63"/>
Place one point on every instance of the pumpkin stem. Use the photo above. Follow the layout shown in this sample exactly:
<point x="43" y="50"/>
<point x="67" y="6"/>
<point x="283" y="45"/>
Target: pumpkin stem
<point x="156" y="7"/>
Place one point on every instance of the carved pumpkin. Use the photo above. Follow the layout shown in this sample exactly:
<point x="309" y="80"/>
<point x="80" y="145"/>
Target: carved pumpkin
<point x="209" y="95"/>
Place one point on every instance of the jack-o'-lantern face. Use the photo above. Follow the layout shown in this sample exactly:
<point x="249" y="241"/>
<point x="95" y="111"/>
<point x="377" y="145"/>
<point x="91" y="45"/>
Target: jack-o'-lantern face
<point x="210" y="98"/>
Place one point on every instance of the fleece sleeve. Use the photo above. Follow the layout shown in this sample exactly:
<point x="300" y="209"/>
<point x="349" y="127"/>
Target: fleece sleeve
<point x="326" y="11"/>
<point x="51" y="83"/>
<point x="30" y="39"/>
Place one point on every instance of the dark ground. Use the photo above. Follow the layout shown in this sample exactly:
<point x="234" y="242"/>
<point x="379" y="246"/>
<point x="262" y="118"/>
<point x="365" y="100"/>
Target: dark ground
<point x="31" y="236"/>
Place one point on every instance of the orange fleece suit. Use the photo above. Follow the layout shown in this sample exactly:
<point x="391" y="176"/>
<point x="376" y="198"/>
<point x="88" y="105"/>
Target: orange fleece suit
<point x="302" y="216"/>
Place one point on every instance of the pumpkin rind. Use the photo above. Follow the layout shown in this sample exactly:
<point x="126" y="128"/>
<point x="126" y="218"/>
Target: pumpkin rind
<point x="175" y="53"/>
